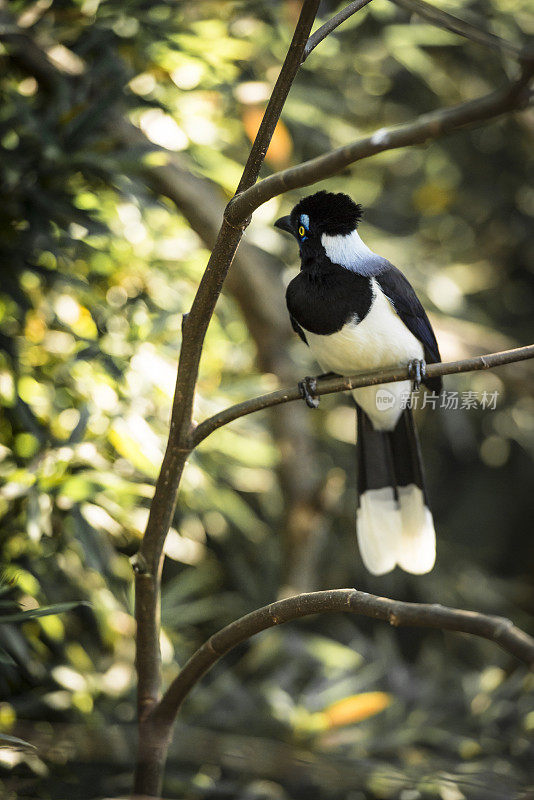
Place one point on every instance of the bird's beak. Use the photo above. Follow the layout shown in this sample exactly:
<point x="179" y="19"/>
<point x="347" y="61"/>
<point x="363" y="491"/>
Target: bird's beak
<point x="284" y="223"/>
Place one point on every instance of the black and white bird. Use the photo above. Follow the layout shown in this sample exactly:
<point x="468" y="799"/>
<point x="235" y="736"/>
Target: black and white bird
<point x="356" y="311"/>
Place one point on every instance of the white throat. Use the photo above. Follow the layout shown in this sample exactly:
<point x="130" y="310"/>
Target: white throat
<point x="350" y="252"/>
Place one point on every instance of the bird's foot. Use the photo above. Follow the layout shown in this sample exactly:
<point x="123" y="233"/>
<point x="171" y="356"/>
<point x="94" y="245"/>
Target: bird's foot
<point x="417" y="372"/>
<point x="307" y="388"/>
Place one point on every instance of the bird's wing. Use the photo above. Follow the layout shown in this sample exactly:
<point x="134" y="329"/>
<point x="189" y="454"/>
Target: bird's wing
<point x="296" y="327"/>
<point x="406" y="303"/>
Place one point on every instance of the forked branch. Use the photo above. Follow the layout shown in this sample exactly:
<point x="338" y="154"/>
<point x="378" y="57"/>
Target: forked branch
<point x="426" y="127"/>
<point x="329" y="26"/>
<point x="148" y="562"/>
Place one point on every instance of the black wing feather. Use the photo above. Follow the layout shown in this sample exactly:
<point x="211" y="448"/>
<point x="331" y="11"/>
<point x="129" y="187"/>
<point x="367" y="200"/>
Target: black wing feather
<point x="296" y="327"/>
<point x="406" y="303"/>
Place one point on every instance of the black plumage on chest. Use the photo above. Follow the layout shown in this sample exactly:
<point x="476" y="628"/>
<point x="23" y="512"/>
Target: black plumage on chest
<point x="323" y="299"/>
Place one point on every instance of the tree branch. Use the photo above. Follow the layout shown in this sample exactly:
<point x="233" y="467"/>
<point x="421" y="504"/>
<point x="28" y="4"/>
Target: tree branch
<point x="451" y="23"/>
<point x="342" y="384"/>
<point x="148" y="562"/>
<point x="194" y="329"/>
<point x="279" y="95"/>
<point x="428" y="126"/>
<point x="495" y="629"/>
<point x="322" y="32"/>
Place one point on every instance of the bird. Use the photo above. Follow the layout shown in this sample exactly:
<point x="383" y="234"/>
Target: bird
<point x="356" y="311"/>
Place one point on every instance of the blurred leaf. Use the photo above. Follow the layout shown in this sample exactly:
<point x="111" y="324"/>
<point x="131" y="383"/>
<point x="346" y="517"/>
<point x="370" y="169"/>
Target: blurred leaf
<point x="45" y="611"/>
<point x="356" y="708"/>
<point x="280" y="147"/>
<point x="13" y="741"/>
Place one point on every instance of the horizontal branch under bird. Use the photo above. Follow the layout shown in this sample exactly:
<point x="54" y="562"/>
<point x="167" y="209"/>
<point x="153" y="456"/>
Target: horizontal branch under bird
<point x="345" y="383"/>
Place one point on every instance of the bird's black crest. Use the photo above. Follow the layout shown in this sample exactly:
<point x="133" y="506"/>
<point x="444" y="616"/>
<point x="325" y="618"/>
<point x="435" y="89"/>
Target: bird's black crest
<point x="334" y="214"/>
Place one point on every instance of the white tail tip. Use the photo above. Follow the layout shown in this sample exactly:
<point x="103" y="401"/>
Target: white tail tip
<point x="392" y="532"/>
<point x="417" y="550"/>
<point x="378" y="525"/>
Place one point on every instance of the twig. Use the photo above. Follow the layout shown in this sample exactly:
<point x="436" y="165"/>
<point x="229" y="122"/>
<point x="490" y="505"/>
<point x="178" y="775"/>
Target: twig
<point x="322" y="32"/>
<point x="495" y="629"/>
<point x="341" y="384"/>
<point x="451" y="23"/>
<point x="428" y="126"/>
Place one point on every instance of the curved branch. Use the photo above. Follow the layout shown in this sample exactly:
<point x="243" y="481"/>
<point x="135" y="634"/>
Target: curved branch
<point x="451" y="23"/>
<point x="322" y="32"/>
<point x="428" y="126"/>
<point x="342" y="384"/>
<point x="495" y="629"/>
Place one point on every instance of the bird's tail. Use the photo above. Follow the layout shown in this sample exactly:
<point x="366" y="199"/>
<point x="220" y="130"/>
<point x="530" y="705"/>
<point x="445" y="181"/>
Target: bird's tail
<point x="394" y="523"/>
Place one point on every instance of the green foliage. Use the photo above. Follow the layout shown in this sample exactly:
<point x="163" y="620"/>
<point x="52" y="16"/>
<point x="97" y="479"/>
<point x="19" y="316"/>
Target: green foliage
<point x="95" y="275"/>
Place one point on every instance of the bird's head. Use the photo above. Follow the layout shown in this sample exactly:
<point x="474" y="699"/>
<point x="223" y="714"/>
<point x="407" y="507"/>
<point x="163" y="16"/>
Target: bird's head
<point x="321" y="214"/>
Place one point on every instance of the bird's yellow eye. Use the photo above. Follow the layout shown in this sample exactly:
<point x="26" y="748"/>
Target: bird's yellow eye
<point x="302" y="230"/>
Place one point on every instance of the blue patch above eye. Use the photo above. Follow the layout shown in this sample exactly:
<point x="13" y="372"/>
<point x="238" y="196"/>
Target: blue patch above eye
<point x="305" y="220"/>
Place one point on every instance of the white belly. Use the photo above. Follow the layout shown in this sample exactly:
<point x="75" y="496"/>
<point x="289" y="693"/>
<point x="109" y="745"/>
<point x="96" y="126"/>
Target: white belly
<point x="381" y="339"/>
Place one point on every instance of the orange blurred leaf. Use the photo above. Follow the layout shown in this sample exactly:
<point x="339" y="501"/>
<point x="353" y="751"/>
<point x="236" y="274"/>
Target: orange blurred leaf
<point x="356" y="708"/>
<point x="281" y="145"/>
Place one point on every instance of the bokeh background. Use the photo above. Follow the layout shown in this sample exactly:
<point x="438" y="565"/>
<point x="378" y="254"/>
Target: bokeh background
<point x="118" y="150"/>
